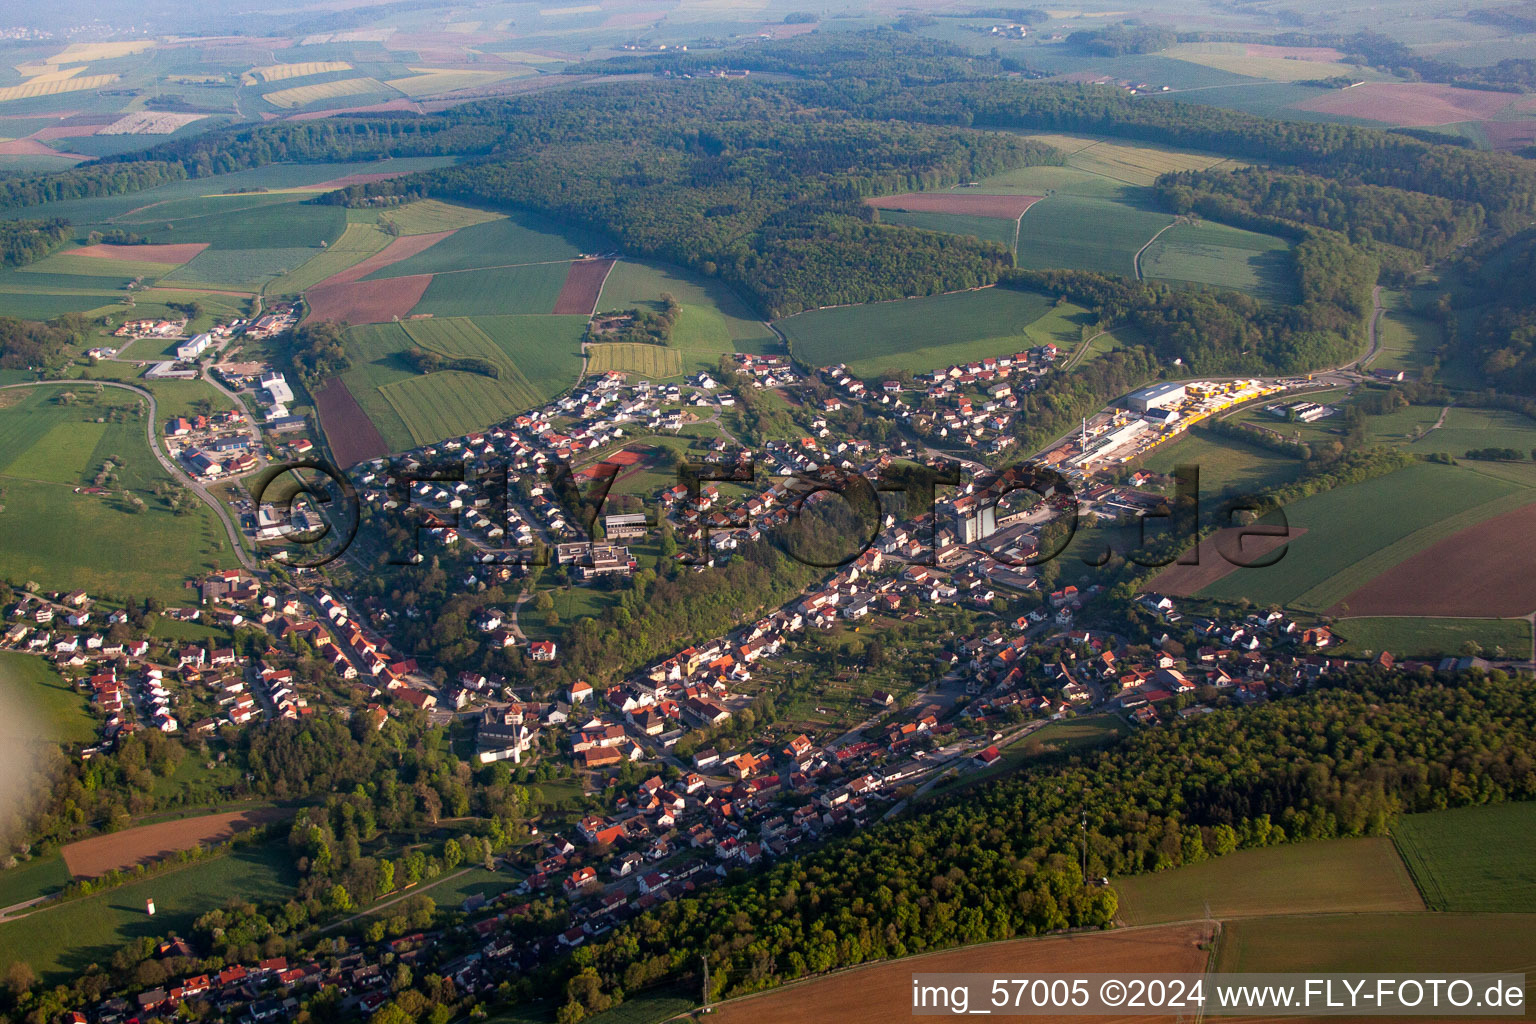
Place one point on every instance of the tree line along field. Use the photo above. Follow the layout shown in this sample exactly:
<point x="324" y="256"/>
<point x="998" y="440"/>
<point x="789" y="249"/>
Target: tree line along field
<point x="93" y="541"/>
<point x="537" y="356"/>
<point x="920" y="335"/>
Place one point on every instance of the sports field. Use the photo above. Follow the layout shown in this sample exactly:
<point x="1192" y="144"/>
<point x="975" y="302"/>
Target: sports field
<point x="1350" y="539"/>
<point x="1223" y="257"/>
<point x="1472" y="858"/>
<point x="918" y="335"/>
<point x="1335" y="875"/>
<point x="653" y="361"/>
<point x="1415" y="636"/>
<point x="65" y="539"/>
<point x="58" y="942"/>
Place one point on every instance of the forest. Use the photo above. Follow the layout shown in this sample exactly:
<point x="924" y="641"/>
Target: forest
<point x="27" y="343"/>
<point x="1002" y="859"/>
<point x="26" y="241"/>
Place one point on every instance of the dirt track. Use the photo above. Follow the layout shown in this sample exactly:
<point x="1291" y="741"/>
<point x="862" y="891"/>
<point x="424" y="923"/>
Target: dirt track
<point x="99" y="854"/>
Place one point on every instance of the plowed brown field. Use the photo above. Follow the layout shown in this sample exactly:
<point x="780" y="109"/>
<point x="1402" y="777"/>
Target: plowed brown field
<point x="583" y="283"/>
<point x="99" y="854"/>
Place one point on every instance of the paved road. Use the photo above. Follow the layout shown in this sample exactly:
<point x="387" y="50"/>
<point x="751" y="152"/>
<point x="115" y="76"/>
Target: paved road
<point x="167" y="463"/>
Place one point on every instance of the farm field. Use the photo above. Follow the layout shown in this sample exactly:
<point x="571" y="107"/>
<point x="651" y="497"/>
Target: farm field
<point x="532" y="288"/>
<point x="357" y="243"/>
<point x="1413" y="636"/>
<point x="426" y="216"/>
<point x="734" y="324"/>
<point x="1330" y="876"/>
<point x="1410" y="103"/>
<point x="352" y="436"/>
<point x="991" y="229"/>
<point x="1224" y="257"/>
<point x="506" y="241"/>
<point x="304" y="95"/>
<point x="1472" y="858"/>
<point x="918" y="335"/>
<point x="1239" y="59"/>
<point x="583" y="284"/>
<point x="1133" y="163"/>
<point x="434" y="81"/>
<point x="1349" y="541"/>
<point x="97" y="855"/>
<point x="298" y="69"/>
<point x="653" y="361"/>
<point x="60" y="941"/>
<point x="52" y="708"/>
<point x="1087" y="233"/>
<point x="1380" y="943"/>
<point x="881" y="992"/>
<point x="245" y="270"/>
<point x="366" y="302"/>
<point x="33" y="878"/>
<point x="93" y="541"/>
<point x="1473" y="569"/>
<point x="970" y="202"/>
<point x="85" y="263"/>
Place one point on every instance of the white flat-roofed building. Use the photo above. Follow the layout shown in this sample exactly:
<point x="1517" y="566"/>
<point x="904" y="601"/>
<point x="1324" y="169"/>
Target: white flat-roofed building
<point x="1158" y="396"/>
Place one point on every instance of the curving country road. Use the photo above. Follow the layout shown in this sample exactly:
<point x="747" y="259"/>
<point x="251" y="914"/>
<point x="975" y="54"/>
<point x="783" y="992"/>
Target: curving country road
<point x="168" y="464"/>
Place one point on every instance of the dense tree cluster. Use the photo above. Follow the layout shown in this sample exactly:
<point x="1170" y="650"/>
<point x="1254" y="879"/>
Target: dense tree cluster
<point x="1002" y="860"/>
<point x="87" y="181"/>
<point x="318" y="351"/>
<point x="25" y="241"/>
<point x="1119" y="40"/>
<point x="427" y="361"/>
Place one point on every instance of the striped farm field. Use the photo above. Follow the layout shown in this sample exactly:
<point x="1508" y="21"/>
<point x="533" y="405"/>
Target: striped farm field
<point x="652" y="361"/>
<point x="29" y="90"/>
<point x="445" y="404"/>
<point x="1129" y="162"/>
<point x="426" y="216"/>
<point x="303" y="95"/>
<point x="1472" y="858"/>
<point x="357" y="243"/>
<point x="86" y="52"/>
<point x="302" y="69"/>
<point x="459" y="338"/>
<point x="1222" y="257"/>
<point x="432" y="81"/>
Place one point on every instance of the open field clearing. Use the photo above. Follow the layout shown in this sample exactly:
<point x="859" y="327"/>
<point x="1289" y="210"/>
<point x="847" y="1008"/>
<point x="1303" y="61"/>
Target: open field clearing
<point x="1349" y="539"/>
<point x="1128" y="162"/>
<point x="527" y="289"/>
<point x="1413" y="636"/>
<point x="1086" y="233"/>
<point x="1331" y="876"/>
<point x="59" y="941"/>
<point x="428" y="216"/>
<point x="917" y="335"/>
<point x="75" y="262"/>
<point x="882" y="992"/>
<point x="1463" y="430"/>
<point x="366" y="302"/>
<point x="50" y="708"/>
<point x="653" y="361"/>
<point x="1408" y="341"/>
<point x="352" y="436"/>
<point x="1486" y="569"/>
<point x="100" y="854"/>
<point x="630" y="284"/>
<point x="971" y="203"/>
<point x="301" y="69"/>
<point x="1472" y="858"/>
<point x="245" y="270"/>
<point x="280" y="223"/>
<point x="357" y="243"/>
<point x="583" y="283"/>
<point x="490" y="241"/>
<point x="1380" y="943"/>
<point x="304" y="95"/>
<point x="435" y="81"/>
<point x="33" y="878"/>
<point x="78" y="83"/>
<point x="991" y="229"/>
<point x="1409" y="103"/>
<point x="1233" y="57"/>
<point x="1223" y="257"/>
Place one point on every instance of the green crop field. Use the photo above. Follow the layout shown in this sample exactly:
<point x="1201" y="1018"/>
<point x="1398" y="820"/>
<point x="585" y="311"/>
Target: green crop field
<point x="1472" y="858"/>
<point x="1349" y="539"/>
<point x="1299" y="878"/>
<point x="1224" y="257"/>
<point x="33" y="878"/>
<point x="285" y="225"/>
<point x="243" y="270"/>
<point x="1409" y="636"/>
<point x="49" y="705"/>
<point x="1086" y="233"/>
<point x="653" y="361"/>
<point x="918" y="335"/>
<point x="1133" y="163"/>
<point x="1398" y="943"/>
<point x="509" y="241"/>
<point x="357" y="243"/>
<point x="72" y="262"/>
<point x="630" y="285"/>
<point x="992" y="229"/>
<point x="66" y="540"/>
<point x="538" y="357"/>
<point x="1226" y="464"/>
<point x="532" y="288"/>
<point x="426" y="216"/>
<point x="58" y="942"/>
